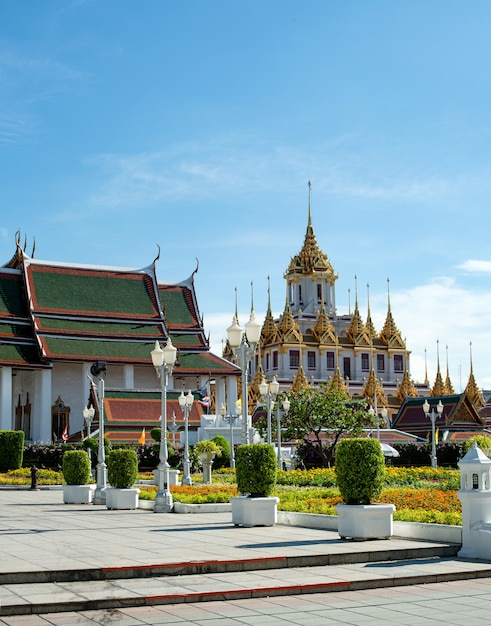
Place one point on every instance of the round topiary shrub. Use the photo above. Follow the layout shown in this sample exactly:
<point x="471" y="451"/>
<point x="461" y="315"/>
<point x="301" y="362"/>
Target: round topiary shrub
<point x="255" y="469"/>
<point x="76" y="467"/>
<point x="360" y="470"/>
<point x="224" y="459"/>
<point x="122" y="468"/>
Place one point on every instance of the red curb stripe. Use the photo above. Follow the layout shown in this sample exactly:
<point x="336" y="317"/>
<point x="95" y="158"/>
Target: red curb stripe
<point x="188" y="564"/>
<point x="203" y="596"/>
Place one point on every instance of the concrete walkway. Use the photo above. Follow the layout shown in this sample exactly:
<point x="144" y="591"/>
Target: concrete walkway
<point x="73" y="563"/>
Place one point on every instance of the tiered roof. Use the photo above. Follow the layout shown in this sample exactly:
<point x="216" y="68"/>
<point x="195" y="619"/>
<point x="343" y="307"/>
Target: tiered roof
<point x="51" y="311"/>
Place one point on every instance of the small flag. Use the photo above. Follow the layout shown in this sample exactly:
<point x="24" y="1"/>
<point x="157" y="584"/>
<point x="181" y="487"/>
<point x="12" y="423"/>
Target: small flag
<point x="142" y="437"/>
<point x="205" y="401"/>
<point x="64" y="434"/>
<point x="437" y="434"/>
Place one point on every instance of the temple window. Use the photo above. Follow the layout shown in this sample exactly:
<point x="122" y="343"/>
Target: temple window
<point x="294" y="359"/>
<point x="311" y="360"/>
<point x="365" y="362"/>
<point x="330" y="360"/>
<point x="398" y="363"/>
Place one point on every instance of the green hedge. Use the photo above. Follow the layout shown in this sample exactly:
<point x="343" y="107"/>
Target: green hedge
<point x="11" y="449"/>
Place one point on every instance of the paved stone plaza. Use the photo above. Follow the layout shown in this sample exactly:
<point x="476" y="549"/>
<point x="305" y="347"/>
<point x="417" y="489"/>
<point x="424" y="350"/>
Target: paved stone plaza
<point x="67" y="564"/>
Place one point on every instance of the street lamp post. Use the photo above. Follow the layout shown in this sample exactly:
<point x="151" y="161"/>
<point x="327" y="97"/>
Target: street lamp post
<point x="433" y="415"/>
<point x="163" y="360"/>
<point x="244" y="347"/>
<point x="286" y="407"/>
<point x="186" y="402"/>
<point x="268" y="392"/>
<point x="88" y="414"/>
<point x="230" y="419"/>
<point x="374" y="412"/>
<point x="100" y="490"/>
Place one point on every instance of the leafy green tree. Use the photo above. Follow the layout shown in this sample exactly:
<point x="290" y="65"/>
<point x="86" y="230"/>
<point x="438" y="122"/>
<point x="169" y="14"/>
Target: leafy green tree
<point x="319" y="417"/>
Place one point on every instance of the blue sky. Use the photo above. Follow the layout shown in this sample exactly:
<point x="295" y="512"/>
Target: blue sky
<point x="196" y="125"/>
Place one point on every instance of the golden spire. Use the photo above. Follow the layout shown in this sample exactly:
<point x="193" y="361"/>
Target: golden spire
<point x="311" y="260"/>
<point x="449" y="390"/>
<point x="472" y="390"/>
<point x="356" y="332"/>
<point x="253" y="394"/>
<point x="337" y="381"/>
<point x="269" y="331"/>
<point x="373" y="391"/>
<point x="438" y="388"/>
<point x="288" y="330"/>
<point x="390" y="334"/>
<point x="406" y="388"/>
<point x="300" y="381"/>
<point x="323" y="329"/>
<point x="369" y="327"/>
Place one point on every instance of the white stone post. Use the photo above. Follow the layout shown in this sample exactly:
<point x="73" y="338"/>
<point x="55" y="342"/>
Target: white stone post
<point x="475" y="495"/>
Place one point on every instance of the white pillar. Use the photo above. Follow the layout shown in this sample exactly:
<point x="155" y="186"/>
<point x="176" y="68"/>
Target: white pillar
<point x="6" y="409"/>
<point x="41" y="418"/>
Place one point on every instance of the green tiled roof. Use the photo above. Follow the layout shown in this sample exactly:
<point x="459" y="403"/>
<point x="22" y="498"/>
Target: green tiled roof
<point x="98" y="349"/>
<point x="111" y="293"/>
<point x="176" y="306"/>
<point x="126" y="351"/>
<point x="12" y="300"/>
<point x="18" y="354"/>
<point x="15" y="330"/>
<point x="98" y="327"/>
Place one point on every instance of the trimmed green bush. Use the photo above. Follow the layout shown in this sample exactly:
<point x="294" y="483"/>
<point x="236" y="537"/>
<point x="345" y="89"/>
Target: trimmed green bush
<point x="360" y="470"/>
<point x="255" y="469"/>
<point x="122" y="468"/>
<point x="483" y="442"/>
<point x="11" y="449"/>
<point x="76" y="467"/>
<point x="222" y="460"/>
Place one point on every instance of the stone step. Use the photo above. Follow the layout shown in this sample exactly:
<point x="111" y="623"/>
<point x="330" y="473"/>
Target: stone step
<point x="229" y="581"/>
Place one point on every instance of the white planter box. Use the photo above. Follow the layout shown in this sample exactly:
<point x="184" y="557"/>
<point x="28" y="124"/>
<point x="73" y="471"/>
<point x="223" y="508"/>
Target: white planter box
<point x="365" y="521"/>
<point x="122" y="498"/>
<point x="254" y="511"/>
<point x="78" y="494"/>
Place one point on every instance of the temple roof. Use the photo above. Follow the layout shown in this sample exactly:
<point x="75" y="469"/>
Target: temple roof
<point x="459" y="414"/>
<point x="52" y="311"/>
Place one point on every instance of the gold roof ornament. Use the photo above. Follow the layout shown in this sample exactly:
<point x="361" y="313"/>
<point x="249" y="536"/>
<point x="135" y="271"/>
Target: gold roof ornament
<point x="439" y="386"/>
<point x="288" y="330"/>
<point x="311" y="259"/>
<point x="472" y="390"/>
<point x="323" y="329"/>
<point x="253" y="393"/>
<point x="390" y="334"/>
<point x="269" y="331"/>
<point x="356" y="331"/>
<point x="449" y="390"/>
<point x="406" y="388"/>
<point x="300" y="381"/>
<point x="338" y="383"/>
<point x="373" y="391"/>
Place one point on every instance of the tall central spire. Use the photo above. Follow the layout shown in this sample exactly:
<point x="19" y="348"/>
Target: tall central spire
<point x="311" y="260"/>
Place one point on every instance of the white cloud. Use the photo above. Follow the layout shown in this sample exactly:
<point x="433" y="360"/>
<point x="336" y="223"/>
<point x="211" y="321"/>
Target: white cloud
<point x="474" y="265"/>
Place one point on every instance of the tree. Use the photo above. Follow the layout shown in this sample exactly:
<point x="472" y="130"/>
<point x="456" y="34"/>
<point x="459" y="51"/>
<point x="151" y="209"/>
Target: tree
<point x="318" y="417"/>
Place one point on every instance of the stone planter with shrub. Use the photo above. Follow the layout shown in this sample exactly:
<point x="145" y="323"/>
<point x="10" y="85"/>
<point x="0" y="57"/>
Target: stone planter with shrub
<point x="256" y="471"/>
<point x="207" y="450"/>
<point x="122" y="474"/>
<point x="360" y="472"/>
<point x="76" y="473"/>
